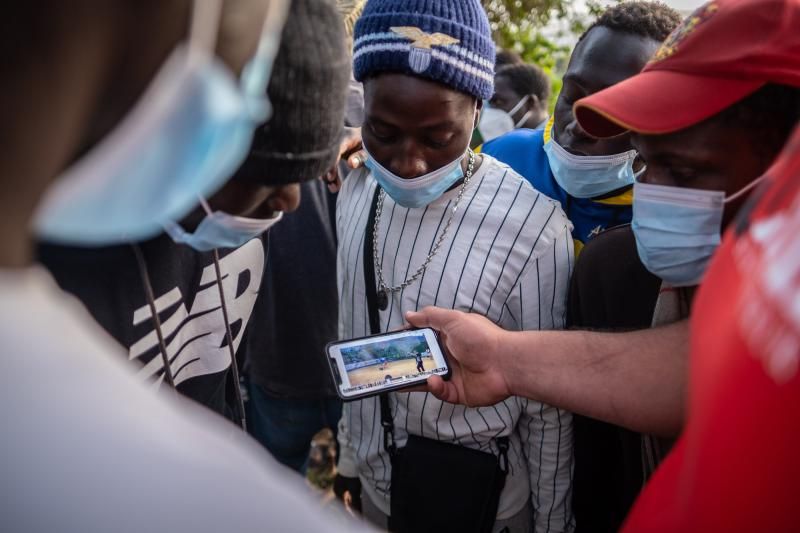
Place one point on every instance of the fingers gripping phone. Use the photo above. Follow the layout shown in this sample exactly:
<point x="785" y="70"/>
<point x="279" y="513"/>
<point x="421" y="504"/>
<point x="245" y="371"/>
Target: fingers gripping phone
<point x="372" y="365"/>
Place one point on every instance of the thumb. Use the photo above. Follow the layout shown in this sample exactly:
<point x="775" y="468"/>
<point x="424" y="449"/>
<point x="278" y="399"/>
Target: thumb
<point x="357" y="160"/>
<point x="432" y="317"/>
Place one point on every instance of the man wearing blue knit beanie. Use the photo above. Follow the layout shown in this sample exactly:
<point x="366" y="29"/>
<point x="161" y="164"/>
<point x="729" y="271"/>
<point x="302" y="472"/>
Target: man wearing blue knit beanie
<point x="428" y="222"/>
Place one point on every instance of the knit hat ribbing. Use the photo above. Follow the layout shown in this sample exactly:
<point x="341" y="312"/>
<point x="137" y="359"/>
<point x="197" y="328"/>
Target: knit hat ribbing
<point x="307" y="90"/>
<point x="447" y="41"/>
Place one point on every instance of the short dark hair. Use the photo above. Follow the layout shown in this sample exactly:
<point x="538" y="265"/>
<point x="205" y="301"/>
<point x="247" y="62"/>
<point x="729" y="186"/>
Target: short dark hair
<point x="771" y="113"/>
<point x="527" y="79"/>
<point x="653" y="20"/>
<point x="505" y="57"/>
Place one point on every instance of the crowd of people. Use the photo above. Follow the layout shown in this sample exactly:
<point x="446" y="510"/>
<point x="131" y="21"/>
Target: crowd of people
<point x="200" y="195"/>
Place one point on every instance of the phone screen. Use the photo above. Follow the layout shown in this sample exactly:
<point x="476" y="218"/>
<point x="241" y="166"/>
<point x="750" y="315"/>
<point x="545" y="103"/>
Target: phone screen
<point x="371" y="365"/>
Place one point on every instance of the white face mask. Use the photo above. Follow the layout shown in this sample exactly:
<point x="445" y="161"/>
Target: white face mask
<point x="221" y="230"/>
<point x="493" y="123"/>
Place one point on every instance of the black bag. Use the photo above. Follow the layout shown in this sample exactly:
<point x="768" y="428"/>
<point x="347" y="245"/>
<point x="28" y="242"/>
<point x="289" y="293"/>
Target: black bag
<point x="436" y="486"/>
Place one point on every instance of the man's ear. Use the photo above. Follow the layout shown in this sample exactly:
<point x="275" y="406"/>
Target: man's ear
<point x="479" y="109"/>
<point x="534" y="104"/>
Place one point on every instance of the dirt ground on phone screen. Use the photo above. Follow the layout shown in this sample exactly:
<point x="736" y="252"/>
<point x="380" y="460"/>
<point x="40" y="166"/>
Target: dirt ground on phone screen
<point x="396" y="369"/>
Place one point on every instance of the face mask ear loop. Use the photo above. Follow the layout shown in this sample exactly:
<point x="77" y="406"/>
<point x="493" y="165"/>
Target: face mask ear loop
<point x="519" y="105"/>
<point x="268" y="44"/>
<point x="148" y="292"/>
<point x="229" y="340"/>
<point x="524" y="118"/>
<point x="204" y="28"/>
<point x="204" y="205"/>
<point x="746" y="189"/>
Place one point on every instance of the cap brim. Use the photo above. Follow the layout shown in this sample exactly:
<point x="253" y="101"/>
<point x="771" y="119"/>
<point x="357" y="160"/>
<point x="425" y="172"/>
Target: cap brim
<point x="658" y="102"/>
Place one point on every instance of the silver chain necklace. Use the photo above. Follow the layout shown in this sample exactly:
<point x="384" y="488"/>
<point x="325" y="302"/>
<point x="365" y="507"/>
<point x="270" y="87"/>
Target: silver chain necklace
<point x="383" y="288"/>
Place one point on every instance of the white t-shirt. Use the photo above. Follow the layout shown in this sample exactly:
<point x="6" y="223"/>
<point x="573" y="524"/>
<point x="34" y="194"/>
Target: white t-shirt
<point x="508" y="256"/>
<point x="87" y="447"/>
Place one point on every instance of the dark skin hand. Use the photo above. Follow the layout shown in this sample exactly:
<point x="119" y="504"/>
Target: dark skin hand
<point x="505" y="98"/>
<point x="603" y="58"/>
<point x="352" y="153"/>
<point x="414" y="126"/>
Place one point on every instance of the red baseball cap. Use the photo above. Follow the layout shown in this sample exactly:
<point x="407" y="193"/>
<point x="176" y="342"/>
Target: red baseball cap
<point x="723" y="52"/>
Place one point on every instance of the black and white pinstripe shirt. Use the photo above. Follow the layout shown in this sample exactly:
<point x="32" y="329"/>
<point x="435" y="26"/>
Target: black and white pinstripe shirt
<point x="508" y="256"/>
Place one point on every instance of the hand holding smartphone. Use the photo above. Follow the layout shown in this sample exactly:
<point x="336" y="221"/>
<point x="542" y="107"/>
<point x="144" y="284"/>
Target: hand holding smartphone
<point x="372" y="365"/>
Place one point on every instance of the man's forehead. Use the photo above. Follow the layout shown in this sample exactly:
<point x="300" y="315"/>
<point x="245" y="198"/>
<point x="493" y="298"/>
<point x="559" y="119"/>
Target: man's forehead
<point x="402" y="89"/>
<point x="605" y="57"/>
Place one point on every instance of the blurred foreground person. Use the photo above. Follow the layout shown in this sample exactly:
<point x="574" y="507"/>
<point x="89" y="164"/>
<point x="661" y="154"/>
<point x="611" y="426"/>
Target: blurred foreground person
<point x="217" y="250"/>
<point x="88" y="447"/>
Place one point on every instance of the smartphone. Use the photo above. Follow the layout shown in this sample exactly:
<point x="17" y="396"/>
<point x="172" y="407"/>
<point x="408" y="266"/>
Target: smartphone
<point x="389" y="361"/>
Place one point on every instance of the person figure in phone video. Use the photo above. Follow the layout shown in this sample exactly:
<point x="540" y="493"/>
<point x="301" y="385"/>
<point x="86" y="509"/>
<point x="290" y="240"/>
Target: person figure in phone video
<point x="418" y="357"/>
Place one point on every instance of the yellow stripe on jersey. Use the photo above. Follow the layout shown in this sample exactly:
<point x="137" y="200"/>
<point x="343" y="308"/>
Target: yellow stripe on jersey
<point x="578" y="245"/>
<point x="548" y="128"/>
<point x="626" y="198"/>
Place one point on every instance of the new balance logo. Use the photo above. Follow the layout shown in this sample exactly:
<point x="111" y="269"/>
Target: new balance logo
<point x="195" y="339"/>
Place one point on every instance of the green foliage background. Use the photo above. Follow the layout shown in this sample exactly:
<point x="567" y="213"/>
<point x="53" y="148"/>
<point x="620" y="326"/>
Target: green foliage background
<point x="518" y="25"/>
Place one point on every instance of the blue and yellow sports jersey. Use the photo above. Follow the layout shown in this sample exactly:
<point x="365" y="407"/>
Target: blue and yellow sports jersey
<point x="523" y="150"/>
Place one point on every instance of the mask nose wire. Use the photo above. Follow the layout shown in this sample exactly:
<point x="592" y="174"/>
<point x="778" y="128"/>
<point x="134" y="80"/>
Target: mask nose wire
<point x="148" y="291"/>
<point x="229" y="341"/>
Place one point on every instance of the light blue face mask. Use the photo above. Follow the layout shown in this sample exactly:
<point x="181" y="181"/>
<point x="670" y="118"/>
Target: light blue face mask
<point x="588" y="176"/>
<point x="678" y="229"/>
<point x="420" y="191"/>
<point x="186" y="136"/>
<point x="220" y="230"/>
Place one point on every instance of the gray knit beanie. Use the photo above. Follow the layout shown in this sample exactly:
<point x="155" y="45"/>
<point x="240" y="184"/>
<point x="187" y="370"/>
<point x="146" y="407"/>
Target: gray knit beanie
<point x="307" y="90"/>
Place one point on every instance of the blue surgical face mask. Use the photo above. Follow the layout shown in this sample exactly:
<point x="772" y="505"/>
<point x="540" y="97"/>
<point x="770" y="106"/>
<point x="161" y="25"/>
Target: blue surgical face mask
<point x="185" y="137"/>
<point x="220" y="230"/>
<point x="678" y="229"/>
<point x="416" y="192"/>
<point x="588" y="176"/>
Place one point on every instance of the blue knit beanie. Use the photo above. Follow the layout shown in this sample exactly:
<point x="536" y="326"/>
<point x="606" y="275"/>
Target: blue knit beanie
<point x="447" y="41"/>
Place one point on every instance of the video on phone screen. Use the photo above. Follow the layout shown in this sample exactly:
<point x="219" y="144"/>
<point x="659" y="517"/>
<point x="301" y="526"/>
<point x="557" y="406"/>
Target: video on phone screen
<point x="384" y="362"/>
